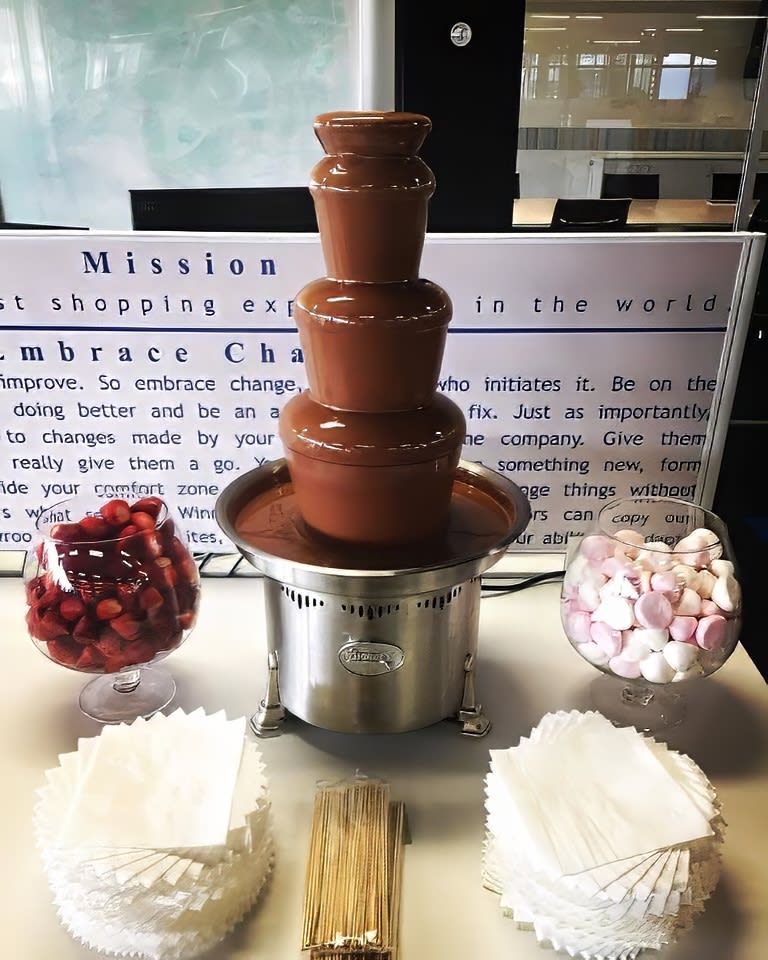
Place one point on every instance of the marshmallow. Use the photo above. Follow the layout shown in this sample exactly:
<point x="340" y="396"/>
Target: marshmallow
<point x="596" y="548"/>
<point x="655" y="668"/>
<point x="726" y="593"/>
<point x="703" y="583"/>
<point x="629" y="669"/>
<point x="665" y="582"/>
<point x="617" y="612"/>
<point x="608" y="639"/>
<point x="577" y="625"/>
<point x="711" y="632"/>
<point x="629" y="541"/>
<point x="689" y="604"/>
<point x="653" y="610"/>
<point x="682" y="629"/>
<point x="656" y="556"/>
<point x="680" y="656"/>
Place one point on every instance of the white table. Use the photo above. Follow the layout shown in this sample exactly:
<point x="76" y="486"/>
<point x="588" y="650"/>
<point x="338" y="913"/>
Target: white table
<point x="526" y="669"/>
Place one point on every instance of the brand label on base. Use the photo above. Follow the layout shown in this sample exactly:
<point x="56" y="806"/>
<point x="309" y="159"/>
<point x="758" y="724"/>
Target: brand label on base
<point x="369" y="659"/>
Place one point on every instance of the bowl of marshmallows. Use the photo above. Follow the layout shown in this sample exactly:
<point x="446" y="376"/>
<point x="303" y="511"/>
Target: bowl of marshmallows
<point x="651" y="593"/>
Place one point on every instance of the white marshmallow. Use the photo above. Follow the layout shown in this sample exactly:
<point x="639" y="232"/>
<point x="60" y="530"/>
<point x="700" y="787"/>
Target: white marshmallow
<point x="680" y="656"/>
<point x="726" y="593"/>
<point x="689" y="604"/>
<point x="722" y="568"/>
<point x="655" y="668"/>
<point x="617" y="612"/>
<point x="656" y="556"/>
<point x="702" y="583"/>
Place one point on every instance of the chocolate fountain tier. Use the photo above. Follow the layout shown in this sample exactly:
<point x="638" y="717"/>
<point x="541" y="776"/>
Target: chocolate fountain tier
<point x="259" y="513"/>
<point x="371" y="195"/>
<point x="373" y="478"/>
<point x="373" y="347"/>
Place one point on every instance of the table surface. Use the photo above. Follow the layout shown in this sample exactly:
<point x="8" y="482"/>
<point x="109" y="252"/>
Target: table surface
<point x="526" y="668"/>
<point x="537" y="212"/>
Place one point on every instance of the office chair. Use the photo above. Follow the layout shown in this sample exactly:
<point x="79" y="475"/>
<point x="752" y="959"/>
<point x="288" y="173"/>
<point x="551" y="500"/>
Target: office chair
<point x="223" y="209"/>
<point x="725" y="187"/>
<point x="638" y="186"/>
<point x="590" y="216"/>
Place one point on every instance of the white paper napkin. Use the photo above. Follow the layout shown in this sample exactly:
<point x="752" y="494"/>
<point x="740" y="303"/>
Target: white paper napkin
<point x="176" y="791"/>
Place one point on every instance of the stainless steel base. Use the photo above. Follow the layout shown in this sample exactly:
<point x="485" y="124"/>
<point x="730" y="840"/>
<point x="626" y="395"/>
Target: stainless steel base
<point x="356" y="665"/>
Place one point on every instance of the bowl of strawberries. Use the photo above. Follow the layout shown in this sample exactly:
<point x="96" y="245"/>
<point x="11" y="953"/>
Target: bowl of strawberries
<point x="111" y="588"/>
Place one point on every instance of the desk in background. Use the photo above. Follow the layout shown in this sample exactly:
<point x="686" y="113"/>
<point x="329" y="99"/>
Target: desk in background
<point x="526" y="668"/>
<point x="536" y="213"/>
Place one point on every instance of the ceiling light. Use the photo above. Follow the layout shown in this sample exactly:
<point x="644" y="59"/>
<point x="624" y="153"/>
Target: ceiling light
<point x="684" y="29"/>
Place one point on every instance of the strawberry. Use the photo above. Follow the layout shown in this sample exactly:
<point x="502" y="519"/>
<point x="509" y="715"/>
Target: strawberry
<point x="187" y="619"/>
<point x="126" y="626"/>
<point x="140" y="652"/>
<point x="64" y="651"/>
<point x="115" y="512"/>
<point x="142" y="520"/>
<point x="95" y="527"/>
<point x="49" y="627"/>
<point x="150" y="505"/>
<point x="85" y="632"/>
<point x="90" y="659"/>
<point x="71" y="608"/>
<point x="66" y="532"/>
<point x="109" y="608"/>
<point x="150" y="599"/>
<point x="109" y="644"/>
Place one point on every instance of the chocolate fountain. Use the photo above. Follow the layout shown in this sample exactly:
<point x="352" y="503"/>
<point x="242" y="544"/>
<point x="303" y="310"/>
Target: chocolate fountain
<point x="371" y="533"/>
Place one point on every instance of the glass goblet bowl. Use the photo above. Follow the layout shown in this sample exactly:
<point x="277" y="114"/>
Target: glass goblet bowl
<point x="111" y="588"/>
<point x="651" y="598"/>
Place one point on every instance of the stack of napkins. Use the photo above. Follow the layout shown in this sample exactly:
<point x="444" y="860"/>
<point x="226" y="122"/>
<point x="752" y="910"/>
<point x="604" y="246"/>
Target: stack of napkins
<point x="156" y="836"/>
<point x="602" y="840"/>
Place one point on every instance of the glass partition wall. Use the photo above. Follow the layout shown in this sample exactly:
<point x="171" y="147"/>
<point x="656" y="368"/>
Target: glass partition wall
<point x="646" y="100"/>
<point x="98" y="97"/>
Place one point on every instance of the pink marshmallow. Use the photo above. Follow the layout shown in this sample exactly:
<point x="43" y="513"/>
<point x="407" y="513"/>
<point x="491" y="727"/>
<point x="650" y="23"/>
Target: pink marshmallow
<point x="653" y="610"/>
<point x="596" y="548"/>
<point x="608" y="639"/>
<point x="629" y="669"/>
<point x="683" y="629"/>
<point x="577" y="626"/>
<point x="711" y="632"/>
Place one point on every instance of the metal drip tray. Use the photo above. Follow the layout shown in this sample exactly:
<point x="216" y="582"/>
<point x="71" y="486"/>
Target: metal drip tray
<point x="371" y="640"/>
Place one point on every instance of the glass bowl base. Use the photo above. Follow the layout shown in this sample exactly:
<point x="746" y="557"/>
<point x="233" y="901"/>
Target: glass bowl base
<point x="123" y="697"/>
<point x="648" y="708"/>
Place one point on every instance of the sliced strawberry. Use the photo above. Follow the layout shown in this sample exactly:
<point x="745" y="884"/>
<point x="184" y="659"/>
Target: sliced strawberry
<point x="90" y="659"/>
<point x="64" y="651"/>
<point x="151" y="599"/>
<point x="140" y="652"/>
<point x="187" y="619"/>
<point x="71" y="608"/>
<point x="49" y="627"/>
<point x="109" y="644"/>
<point x="126" y="626"/>
<point x="86" y="632"/>
<point x="109" y="608"/>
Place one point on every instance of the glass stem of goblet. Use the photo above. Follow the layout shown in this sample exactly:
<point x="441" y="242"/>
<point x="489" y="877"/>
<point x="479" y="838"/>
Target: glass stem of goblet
<point x="127" y="680"/>
<point x="637" y="695"/>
